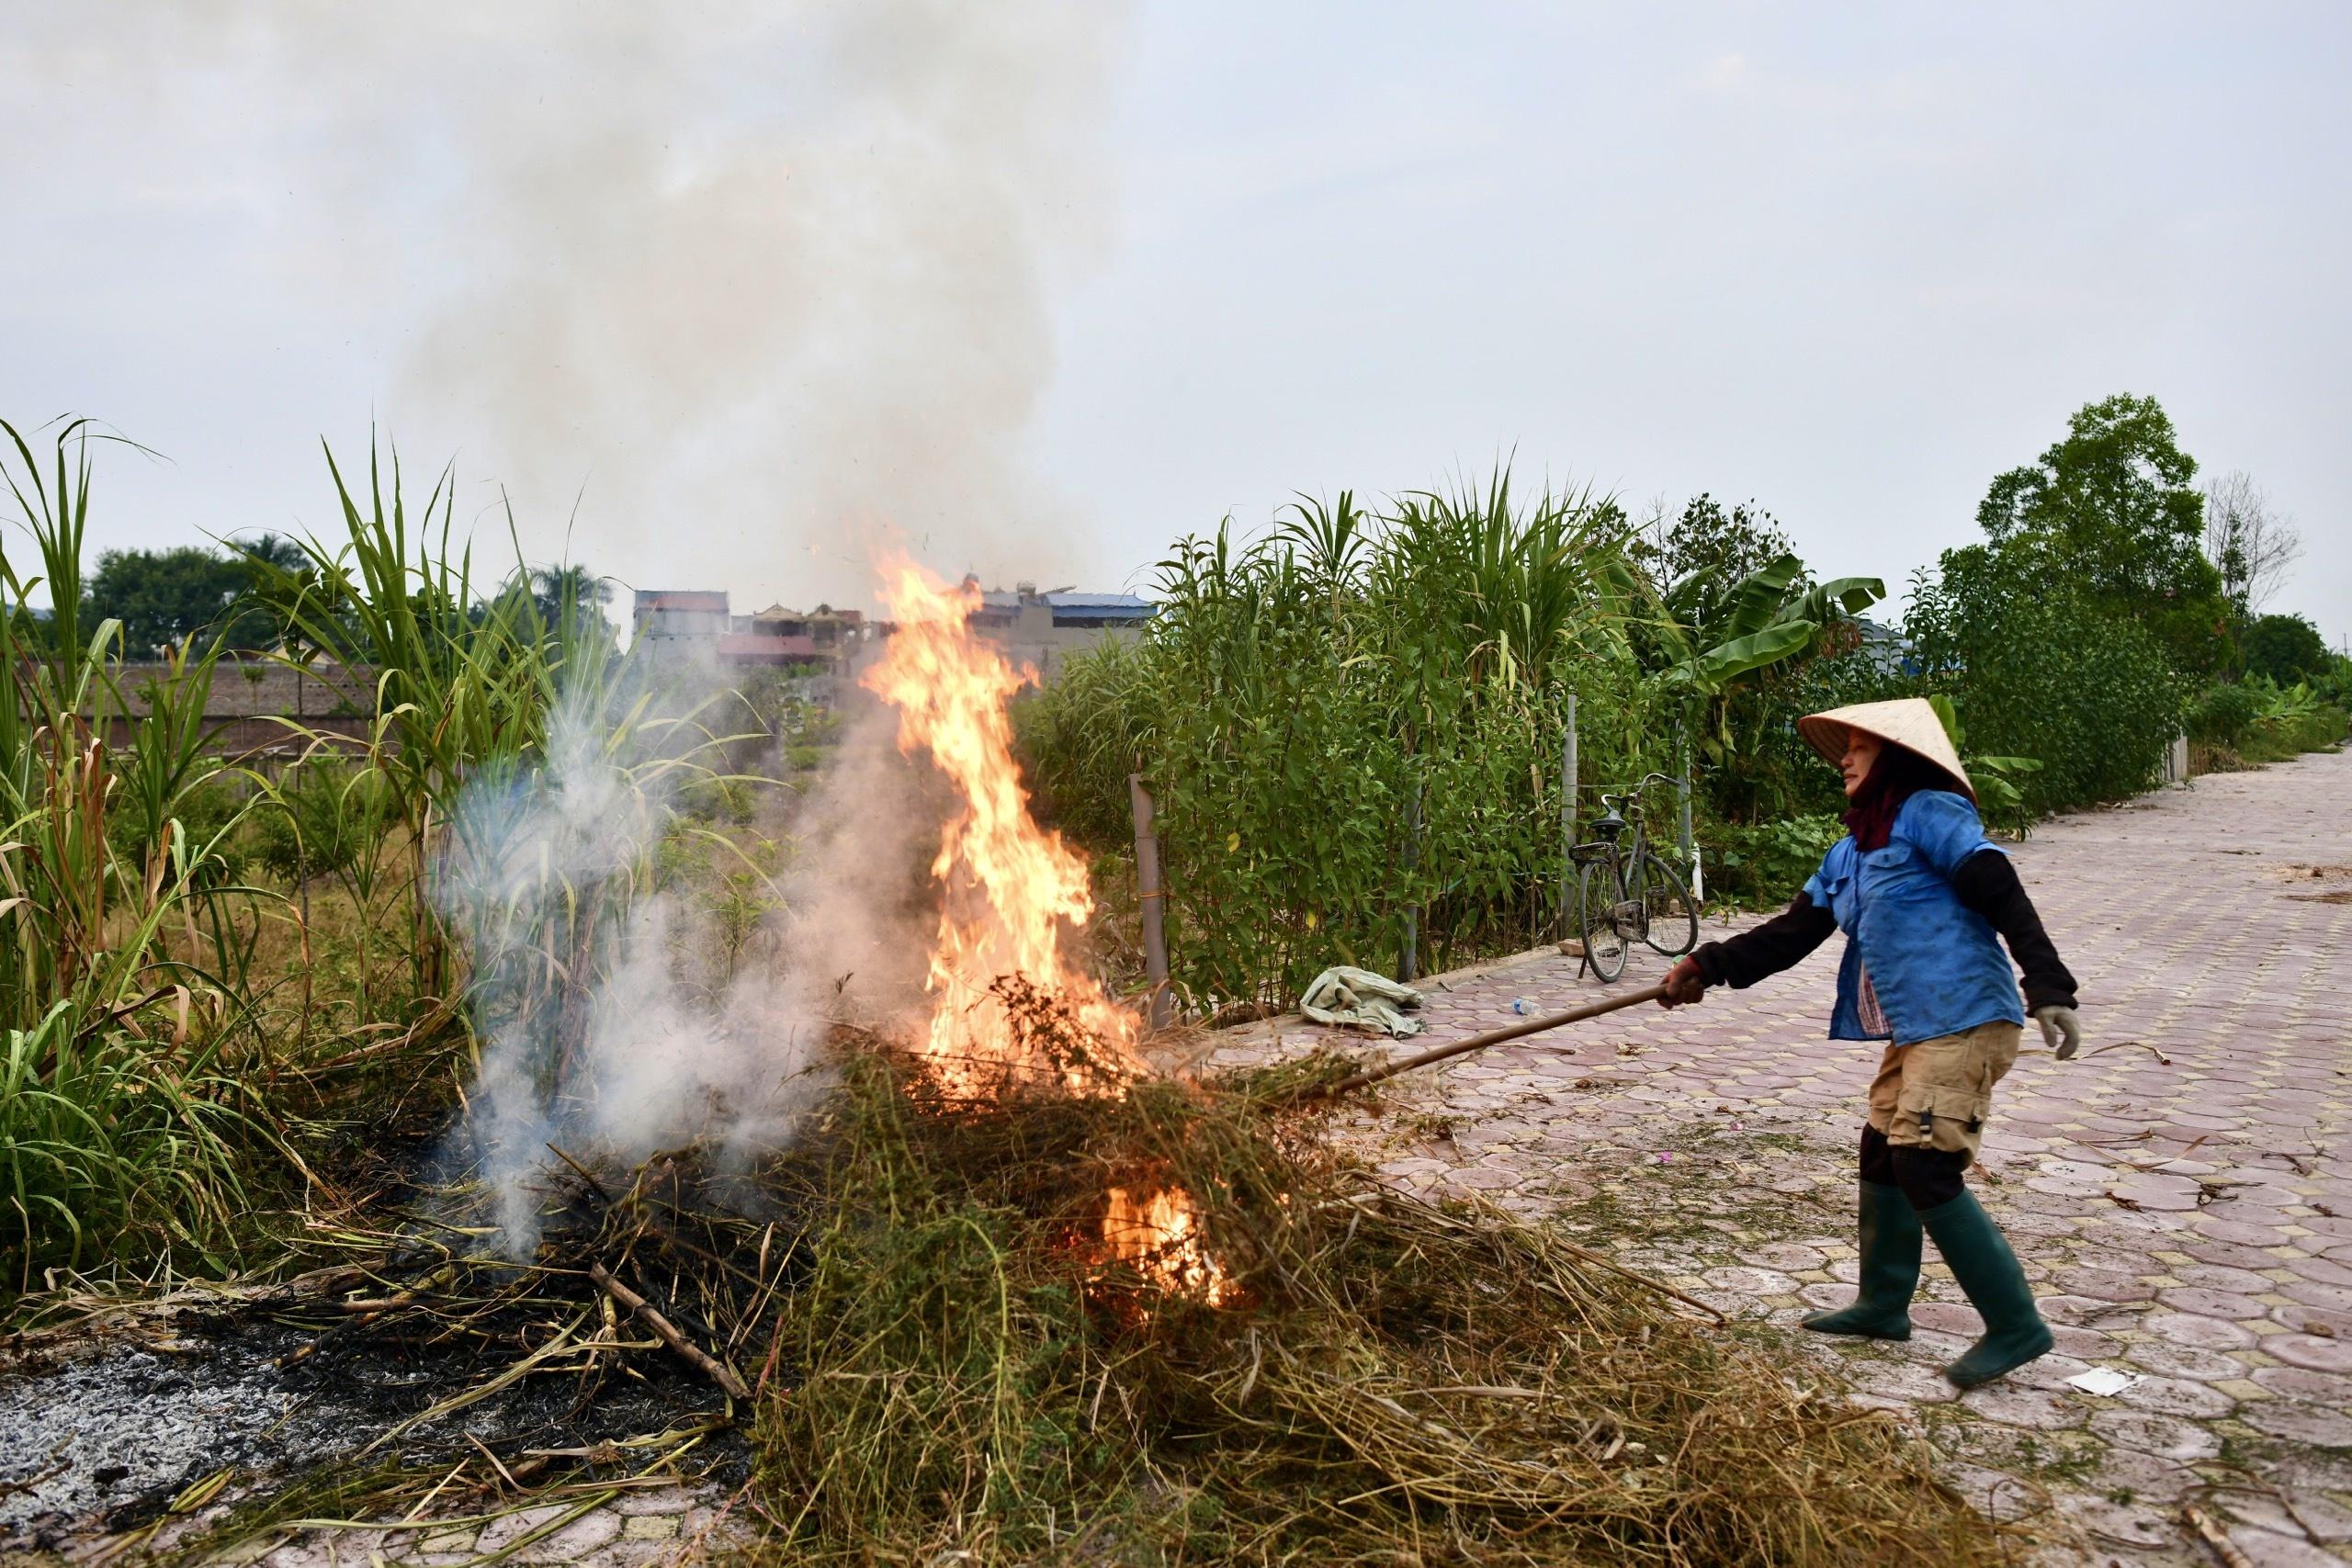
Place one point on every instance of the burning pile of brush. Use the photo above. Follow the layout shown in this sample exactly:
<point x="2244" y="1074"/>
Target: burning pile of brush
<point x="1012" y="1008"/>
<point x="1012" y="1296"/>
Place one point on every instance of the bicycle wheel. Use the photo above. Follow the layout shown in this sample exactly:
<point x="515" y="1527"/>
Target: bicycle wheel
<point x="1604" y="944"/>
<point x="1672" y="923"/>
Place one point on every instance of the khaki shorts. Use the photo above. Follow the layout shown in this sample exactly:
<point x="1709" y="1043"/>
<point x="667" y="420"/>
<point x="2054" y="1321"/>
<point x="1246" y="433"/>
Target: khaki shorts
<point x="1937" y="1093"/>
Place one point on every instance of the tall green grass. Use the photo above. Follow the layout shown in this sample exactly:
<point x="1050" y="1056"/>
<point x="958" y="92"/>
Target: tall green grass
<point x="1353" y="728"/>
<point x="123" y="949"/>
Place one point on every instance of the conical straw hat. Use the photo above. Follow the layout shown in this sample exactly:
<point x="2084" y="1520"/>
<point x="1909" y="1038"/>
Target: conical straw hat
<point x="1908" y="722"/>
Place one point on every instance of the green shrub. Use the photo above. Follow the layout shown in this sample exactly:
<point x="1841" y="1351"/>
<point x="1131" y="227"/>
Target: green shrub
<point x="2038" y="670"/>
<point x="2283" y="648"/>
<point x="1764" y="865"/>
<point x="2223" y="715"/>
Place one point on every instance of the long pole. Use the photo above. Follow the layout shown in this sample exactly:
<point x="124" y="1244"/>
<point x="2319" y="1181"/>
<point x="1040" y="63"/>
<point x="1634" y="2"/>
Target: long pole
<point x="1408" y="962"/>
<point x="1682" y="745"/>
<point x="1569" y="816"/>
<point x="1492" y="1037"/>
<point x="1151" y="899"/>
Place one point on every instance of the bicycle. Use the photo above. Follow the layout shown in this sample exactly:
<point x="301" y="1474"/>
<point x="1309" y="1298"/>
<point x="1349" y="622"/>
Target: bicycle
<point x="1651" y="904"/>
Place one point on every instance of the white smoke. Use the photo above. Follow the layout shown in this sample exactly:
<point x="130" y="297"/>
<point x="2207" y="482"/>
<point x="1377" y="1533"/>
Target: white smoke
<point x="606" y="1031"/>
<point x="750" y="279"/>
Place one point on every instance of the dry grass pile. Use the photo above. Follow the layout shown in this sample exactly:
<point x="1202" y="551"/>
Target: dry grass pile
<point x="915" y="1316"/>
<point x="1386" y="1379"/>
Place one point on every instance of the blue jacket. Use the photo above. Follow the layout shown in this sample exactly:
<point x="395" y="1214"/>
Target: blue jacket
<point x="1928" y="964"/>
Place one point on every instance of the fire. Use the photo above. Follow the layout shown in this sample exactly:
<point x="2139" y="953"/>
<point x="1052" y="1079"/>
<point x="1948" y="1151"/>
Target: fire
<point x="1159" y="1235"/>
<point x="1010" y="894"/>
<point x="1010" y="888"/>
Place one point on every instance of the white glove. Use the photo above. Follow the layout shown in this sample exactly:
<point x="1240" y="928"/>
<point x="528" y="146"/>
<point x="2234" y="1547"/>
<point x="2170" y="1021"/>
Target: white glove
<point x="2061" y="1031"/>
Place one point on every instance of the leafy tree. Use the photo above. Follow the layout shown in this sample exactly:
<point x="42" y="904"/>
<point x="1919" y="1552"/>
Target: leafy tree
<point x="564" y="591"/>
<point x="2041" y="668"/>
<point x="2285" y="649"/>
<point x="2110" y="510"/>
<point x="163" y="598"/>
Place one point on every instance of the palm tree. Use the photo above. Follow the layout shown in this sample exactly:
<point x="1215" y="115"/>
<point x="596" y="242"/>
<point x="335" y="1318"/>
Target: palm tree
<point x="563" y="592"/>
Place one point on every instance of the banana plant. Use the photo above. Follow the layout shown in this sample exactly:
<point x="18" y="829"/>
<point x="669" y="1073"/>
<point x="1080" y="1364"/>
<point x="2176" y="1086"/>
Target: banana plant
<point x="1708" y="642"/>
<point x="1714" y="636"/>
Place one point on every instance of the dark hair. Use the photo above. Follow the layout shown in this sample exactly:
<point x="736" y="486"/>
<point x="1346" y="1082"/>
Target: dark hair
<point x="1899" y="773"/>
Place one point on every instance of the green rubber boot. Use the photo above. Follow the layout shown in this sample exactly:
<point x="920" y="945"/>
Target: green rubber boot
<point x="1890" y="1228"/>
<point x="1980" y="1260"/>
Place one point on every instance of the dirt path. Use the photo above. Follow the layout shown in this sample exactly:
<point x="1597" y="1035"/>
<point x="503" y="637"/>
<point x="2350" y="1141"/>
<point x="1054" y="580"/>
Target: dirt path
<point x="2188" y="1220"/>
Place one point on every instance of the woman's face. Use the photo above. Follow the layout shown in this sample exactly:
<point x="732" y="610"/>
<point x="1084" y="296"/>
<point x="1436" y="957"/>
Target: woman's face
<point x="1862" y="751"/>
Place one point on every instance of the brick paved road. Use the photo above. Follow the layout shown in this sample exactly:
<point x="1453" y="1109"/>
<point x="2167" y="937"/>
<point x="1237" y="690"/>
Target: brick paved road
<point x="2188" y="1221"/>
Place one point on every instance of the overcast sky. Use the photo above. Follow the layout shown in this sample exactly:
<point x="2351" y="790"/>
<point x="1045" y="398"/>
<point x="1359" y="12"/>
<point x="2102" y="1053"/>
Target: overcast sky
<point x="726" y="292"/>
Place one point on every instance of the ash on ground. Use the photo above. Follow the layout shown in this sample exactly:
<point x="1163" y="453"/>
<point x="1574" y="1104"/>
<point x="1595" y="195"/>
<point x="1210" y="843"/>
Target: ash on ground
<point x="106" y="1440"/>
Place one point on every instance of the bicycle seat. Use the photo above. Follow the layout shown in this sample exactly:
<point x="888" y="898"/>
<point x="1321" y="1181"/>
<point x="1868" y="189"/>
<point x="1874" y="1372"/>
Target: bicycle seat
<point x="1608" y="826"/>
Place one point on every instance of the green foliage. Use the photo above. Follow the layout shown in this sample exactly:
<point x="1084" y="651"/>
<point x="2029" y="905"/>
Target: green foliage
<point x="2041" y="669"/>
<point x="1354" y="720"/>
<point x="1740" y="636"/>
<point x="2285" y="649"/>
<point x="168" y="599"/>
<point x="163" y="598"/>
<point x="321" y="817"/>
<point x="2109" y="513"/>
<point x="2223" y="715"/>
<point x="1763" y="865"/>
<point x="122" y="958"/>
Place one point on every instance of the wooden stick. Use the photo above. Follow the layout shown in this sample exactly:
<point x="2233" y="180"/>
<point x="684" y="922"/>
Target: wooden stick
<point x="717" y="1370"/>
<point x="1492" y="1037"/>
<point x="2214" y="1535"/>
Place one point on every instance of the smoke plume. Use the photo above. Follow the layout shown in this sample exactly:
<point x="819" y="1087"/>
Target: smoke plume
<point x="749" y="281"/>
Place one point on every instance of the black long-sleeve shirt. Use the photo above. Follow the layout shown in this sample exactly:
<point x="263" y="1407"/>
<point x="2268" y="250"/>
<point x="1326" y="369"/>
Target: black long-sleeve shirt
<point x="1986" y="882"/>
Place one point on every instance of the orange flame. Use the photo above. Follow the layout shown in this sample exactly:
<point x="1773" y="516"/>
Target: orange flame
<point x="1160" y="1234"/>
<point x="1009" y="893"/>
<point x="1010" y="888"/>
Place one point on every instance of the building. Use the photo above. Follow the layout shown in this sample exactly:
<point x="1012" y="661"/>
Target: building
<point x="698" y="623"/>
<point x="688" y="618"/>
<point x="1044" y="629"/>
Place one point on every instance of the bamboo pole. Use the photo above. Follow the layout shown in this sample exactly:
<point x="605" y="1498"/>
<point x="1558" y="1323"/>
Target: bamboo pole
<point x="1492" y="1037"/>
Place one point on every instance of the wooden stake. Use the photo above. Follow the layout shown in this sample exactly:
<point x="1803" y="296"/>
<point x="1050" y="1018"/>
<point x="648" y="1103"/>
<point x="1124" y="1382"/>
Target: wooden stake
<point x="1151" y="899"/>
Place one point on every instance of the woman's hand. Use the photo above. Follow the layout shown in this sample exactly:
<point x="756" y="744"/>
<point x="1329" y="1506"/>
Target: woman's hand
<point x="2061" y="1030"/>
<point x="1685" y="983"/>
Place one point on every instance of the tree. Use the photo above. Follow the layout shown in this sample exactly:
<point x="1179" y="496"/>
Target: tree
<point x="565" y="591"/>
<point x="2252" y="548"/>
<point x="163" y="598"/>
<point x="2110" y="510"/>
<point x="2038" y="667"/>
<point x="2285" y="649"/>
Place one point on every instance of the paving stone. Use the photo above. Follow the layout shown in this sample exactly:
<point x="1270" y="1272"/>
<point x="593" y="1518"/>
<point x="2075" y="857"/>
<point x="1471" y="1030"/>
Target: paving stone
<point x="2175" y="1396"/>
<point x="2265" y="1550"/>
<point x="2303" y="1423"/>
<point x="501" y="1533"/>
<point x="578" y="1538"/>
<point x="2033" y="1409"/>
<point x="2169" y="1361"/>
<point x="2198" y="1331"/>
<point x="2130" y="1524"/>
<point x="2212" y="1303"/>
<point x="2166" y="1436"/>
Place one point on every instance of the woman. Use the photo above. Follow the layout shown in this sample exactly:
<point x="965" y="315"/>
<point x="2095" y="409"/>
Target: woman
<point x="1919" y="894"/>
